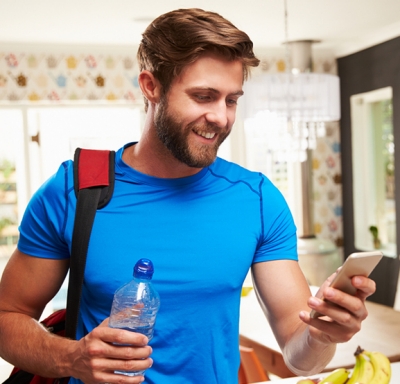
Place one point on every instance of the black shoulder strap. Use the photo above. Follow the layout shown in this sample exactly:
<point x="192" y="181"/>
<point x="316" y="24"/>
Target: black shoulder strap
<point x="94" y="186"/>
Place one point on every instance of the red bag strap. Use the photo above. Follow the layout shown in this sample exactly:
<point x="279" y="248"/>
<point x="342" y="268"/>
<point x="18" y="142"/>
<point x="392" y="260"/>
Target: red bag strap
<point x="95" y="168"/>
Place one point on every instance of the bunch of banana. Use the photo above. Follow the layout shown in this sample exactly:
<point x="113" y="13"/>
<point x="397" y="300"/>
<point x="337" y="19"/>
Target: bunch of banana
<point x="370" y="368"/>
<point x="381" y="369"/>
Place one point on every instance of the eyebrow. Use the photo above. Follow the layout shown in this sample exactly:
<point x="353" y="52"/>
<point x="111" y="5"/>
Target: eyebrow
<point x="213" y="90"/>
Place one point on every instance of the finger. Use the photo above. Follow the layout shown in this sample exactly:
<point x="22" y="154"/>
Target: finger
<point x="353" y="304"/>
<point x="323" y="307"/>
<point x="340" y="307"/>
<point x="127" y="380"/>
<point x="123" y="365"/>
<point x="111" y="378"/>
<point x="329" y="331"/>
<point x="120" y="336"/>
<point x="128" y="352"/>
<point x="365" y="286"/>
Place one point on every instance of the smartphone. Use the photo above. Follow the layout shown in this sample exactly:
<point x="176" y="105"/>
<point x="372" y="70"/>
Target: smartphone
<point x="357" y="264"/>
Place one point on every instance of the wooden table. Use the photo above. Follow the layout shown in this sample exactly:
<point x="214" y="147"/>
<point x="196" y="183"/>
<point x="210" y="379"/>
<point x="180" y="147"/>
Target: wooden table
<point x="380" y="332"/>
<point x="293" y="380"/>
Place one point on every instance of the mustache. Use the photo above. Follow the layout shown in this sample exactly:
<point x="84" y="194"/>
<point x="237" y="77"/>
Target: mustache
<point x="206" y="127"/>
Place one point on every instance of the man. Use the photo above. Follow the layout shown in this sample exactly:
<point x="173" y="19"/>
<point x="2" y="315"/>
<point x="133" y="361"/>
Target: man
<point x="201" y="220"/>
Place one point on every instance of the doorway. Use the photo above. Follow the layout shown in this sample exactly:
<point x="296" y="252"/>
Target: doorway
<point x="372" y="69"/>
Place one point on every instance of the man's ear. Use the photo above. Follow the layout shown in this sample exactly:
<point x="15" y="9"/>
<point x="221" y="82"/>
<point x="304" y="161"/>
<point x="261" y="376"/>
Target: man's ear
<point x="150" y="86"/>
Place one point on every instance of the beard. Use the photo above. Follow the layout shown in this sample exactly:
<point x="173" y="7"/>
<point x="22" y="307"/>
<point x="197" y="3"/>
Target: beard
<point x="175" y="137"/>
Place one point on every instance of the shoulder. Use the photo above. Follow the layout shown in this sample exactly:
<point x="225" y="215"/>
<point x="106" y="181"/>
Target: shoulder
<point x="59" y="184"/>
<point x="53" y="194"/>
<point x="42" y="229"/>
<point x="273" y="203"/>
<point x="235" y="173"/>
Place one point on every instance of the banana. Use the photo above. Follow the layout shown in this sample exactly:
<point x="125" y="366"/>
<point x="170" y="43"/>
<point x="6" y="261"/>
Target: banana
<point x="382" y="368"/>
<point x="366" y="371"/>
<point x="338" y="376"/>
<point x="357" y="368"/>
<point x="363" y="370"/>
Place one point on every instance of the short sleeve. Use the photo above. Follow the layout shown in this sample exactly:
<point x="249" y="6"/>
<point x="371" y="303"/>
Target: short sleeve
<point x="42" y="229"/>
<point x="279" y="239"/>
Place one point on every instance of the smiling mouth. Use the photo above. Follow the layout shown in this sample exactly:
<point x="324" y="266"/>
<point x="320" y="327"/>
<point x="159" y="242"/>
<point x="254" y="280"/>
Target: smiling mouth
<point x="206" y="135"/>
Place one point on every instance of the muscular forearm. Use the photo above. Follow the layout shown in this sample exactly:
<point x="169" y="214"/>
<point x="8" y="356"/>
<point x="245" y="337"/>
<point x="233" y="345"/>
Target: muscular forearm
<point x="305" y="355"/>
<point x="26" y="344"/>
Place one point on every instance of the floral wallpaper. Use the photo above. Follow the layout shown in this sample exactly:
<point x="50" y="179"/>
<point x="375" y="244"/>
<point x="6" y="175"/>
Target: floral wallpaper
<point x="56" y="77"/>
<point x="327" y="185"/>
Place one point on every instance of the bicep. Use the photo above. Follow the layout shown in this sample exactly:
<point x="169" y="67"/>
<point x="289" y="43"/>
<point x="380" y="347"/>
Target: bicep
<point x="282" y="291"/>
<point x="29" y="283"/>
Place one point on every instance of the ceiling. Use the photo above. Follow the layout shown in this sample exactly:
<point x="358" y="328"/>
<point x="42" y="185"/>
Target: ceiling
<point x="342" y="26"/>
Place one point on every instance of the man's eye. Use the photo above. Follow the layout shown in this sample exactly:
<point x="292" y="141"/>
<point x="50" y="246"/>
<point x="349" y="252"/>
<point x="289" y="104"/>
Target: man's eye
<point x="232" y="102"/>
<point x="202" y="97"/>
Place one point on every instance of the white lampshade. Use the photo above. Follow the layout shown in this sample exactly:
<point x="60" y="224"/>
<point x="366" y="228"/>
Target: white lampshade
<point x="303" y="97"/>
<point x="290" y="111"/>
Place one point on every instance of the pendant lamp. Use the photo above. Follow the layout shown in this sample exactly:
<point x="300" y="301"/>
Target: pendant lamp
<point x="292" y="106"/>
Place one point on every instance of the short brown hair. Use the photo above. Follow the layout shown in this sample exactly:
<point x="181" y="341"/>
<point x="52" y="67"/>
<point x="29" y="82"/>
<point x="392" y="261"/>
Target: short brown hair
<point x="177" y="38"/>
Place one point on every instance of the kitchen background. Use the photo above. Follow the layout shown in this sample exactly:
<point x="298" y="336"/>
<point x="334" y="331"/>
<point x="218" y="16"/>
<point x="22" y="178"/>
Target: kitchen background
<point x="34" y="78"/>
<point x="55" y="54"/>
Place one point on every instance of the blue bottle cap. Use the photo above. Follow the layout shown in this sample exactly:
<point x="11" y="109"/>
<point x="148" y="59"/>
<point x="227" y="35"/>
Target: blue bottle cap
<point x="143" y="269"/>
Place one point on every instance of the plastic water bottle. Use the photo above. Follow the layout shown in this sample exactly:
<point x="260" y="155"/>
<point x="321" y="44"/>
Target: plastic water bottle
<point x="135" y="305"/>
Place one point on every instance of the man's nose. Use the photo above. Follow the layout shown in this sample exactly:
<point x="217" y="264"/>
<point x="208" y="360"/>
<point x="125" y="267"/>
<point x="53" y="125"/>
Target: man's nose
<point x="218" y="114"/>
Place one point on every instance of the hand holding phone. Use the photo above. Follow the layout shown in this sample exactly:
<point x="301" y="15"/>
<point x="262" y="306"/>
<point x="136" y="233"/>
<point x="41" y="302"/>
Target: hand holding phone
<point x="357" y="264"/>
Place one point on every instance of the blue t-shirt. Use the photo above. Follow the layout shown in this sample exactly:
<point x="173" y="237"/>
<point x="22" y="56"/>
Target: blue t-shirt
<point x="202" y="233"/>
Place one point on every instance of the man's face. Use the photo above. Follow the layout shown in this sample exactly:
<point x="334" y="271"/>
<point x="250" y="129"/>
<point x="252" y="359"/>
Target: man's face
<point x="198" y="112"/>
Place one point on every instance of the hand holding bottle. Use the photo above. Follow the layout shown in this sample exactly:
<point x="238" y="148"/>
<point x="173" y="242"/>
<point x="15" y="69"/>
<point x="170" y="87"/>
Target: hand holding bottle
<point x="97" y="358"/>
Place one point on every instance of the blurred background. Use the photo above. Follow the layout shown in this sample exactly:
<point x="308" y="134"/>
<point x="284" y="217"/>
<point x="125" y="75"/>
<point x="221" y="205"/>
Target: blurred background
<point x="68" y="78"/>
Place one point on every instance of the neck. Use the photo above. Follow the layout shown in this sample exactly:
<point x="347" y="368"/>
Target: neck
<point x="151" y="157"/>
